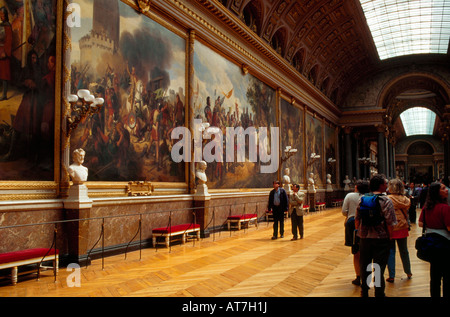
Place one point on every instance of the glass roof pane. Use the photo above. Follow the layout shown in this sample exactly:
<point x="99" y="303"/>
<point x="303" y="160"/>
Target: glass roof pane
<point x="415" y="26"/>
<point x="418" y="120"/>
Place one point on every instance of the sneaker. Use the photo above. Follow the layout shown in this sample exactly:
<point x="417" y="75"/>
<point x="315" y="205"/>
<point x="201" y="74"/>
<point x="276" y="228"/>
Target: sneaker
<point x="274" y="238"/>
<point x="390" y="280"/>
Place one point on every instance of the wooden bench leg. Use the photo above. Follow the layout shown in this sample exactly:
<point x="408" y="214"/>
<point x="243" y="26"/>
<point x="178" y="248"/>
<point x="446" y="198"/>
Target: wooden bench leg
<point x="14" y="275"/>
<point x="167" y="241"/>
<point x="183" y="238"/>
<point x="198" y="235"/>
<point x="154" y="241"/>
<point x="56" y="265"/>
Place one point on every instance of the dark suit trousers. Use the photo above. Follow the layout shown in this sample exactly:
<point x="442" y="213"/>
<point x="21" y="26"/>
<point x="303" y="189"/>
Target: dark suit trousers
<point x="297" y="223"/>
<point x="376" y="250"/>
<point x="278" y="218"/>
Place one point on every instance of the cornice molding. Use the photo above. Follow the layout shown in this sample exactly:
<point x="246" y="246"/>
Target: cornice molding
<point x="221" y="29"/>
<point x="362" y="117"/>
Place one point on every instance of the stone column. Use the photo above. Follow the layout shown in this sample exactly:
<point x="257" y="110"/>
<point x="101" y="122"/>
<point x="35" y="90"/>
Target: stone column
<point x="365" y="153"/>
<point x="348" y="152"/>
<point x="356" y="156"/>
<point x="382" y="166"/>
<point x="392" y="155"/>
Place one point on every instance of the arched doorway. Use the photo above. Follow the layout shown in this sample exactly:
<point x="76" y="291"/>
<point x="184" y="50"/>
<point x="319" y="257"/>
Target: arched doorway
<point x="420" y="162"/>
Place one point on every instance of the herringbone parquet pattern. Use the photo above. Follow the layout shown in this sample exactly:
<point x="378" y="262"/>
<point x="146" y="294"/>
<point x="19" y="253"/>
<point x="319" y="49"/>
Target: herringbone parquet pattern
<point x="244" y="263"/>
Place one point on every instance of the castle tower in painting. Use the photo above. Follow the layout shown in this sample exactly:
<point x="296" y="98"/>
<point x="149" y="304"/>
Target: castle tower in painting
<point x="106" y="20"/>
<point x="104" y="36"/>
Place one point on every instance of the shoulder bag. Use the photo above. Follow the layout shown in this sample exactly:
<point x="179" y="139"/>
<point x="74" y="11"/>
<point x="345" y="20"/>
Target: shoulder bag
<point x="429" y="245"/>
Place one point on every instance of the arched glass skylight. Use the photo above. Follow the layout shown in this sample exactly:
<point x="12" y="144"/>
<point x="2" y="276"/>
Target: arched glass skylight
<point x="404" y="27"/>
<point x="418" y="120"/>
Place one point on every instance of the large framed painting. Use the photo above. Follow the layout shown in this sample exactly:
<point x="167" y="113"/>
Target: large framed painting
<point x="27" y="89"/>
<point x="331" y="157"/>
<point x="138" y="66"/>
<point x="314" y="144"/>
<point x="292" y="135"/>
<point x="226" y="97"/>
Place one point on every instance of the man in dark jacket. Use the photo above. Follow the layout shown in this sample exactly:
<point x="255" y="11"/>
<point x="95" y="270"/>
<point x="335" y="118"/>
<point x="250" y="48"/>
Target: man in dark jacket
<point x="413" y="195"/>
<point x="278" y="204"/>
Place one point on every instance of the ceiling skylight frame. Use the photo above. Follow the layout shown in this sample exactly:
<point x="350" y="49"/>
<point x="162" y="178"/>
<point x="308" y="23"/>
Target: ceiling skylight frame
<point x="405" y="27"/>
<point x="418" y="121"/>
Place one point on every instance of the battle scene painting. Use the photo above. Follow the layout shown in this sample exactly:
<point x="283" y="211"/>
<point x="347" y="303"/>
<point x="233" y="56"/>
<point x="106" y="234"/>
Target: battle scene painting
<point x="27" y="89"/>
<point x="314" y="144"/>
<point x="292" y="134"/>
<point x="224" y="97"/>
<point x="331" y="152"/>
<point x="138" y="67"/>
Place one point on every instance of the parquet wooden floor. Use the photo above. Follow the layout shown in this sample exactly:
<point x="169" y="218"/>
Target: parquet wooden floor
<point x="244" y="263"/>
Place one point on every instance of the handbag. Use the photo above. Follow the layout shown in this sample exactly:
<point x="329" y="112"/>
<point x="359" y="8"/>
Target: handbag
<point x="430" y="244"/>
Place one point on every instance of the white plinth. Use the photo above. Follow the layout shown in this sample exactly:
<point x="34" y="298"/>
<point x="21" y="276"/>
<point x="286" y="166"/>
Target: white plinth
<point x="78" y="198"/>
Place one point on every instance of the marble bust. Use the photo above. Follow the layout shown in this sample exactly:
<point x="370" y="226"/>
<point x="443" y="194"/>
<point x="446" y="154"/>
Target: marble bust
<point x="200" y="175"/>
<point x="78" y="173"/>
<point x="329" y="183"/>
<point x="347" y="183"/>
<point x="78" y="197"/>
<point x="311" y="183"/>
<point x="286" y="180"/>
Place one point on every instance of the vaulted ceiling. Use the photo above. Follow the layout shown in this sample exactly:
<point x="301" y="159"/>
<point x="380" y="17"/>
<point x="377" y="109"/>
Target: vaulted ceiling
<point x="327" y="41"/>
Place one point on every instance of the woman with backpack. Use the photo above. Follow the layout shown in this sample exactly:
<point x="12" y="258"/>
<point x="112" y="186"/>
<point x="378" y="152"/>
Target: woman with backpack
<point x="400" y="232"/>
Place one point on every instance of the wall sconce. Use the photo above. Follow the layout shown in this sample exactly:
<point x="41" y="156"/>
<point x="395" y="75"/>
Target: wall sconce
<point x="364" y="160"/>
<point x="314" y="157"/>
<point x="289" y="151"/>
<point x="331" y="160"/>
<point x="367" y="161"/>
<point x="82" y="105"/>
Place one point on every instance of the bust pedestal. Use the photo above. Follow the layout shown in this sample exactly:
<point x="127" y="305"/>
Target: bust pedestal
<point x="202" y="210"/>
<point x="312" y="200"/>
<point x="78" y="206"/>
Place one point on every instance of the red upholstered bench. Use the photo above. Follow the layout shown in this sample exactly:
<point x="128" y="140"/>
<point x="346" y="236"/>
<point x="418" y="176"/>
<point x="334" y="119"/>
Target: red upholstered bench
<point x="306" y="208"/>
<point x="269" y="215"/>
<point x="320" y="206"/>
<point x="26" y="257"/>
<point x="171" y="231"/>
<point x="337" y="202"/>
<point x="238" y="220"/>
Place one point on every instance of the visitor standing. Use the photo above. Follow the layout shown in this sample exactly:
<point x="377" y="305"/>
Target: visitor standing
<point x="374" y="214"/>
<point x="349" y="205"/>
<point x="435" y="217"/>
<point x="278" y="204"/>
<point x="400" y="232"/>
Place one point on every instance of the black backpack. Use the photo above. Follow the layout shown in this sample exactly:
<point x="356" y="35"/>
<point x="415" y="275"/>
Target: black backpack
<point x="370" y="210"/>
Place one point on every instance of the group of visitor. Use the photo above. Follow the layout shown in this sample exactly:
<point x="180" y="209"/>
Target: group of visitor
<point x="279" y="203"/>
<point x="379" y="215"/>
